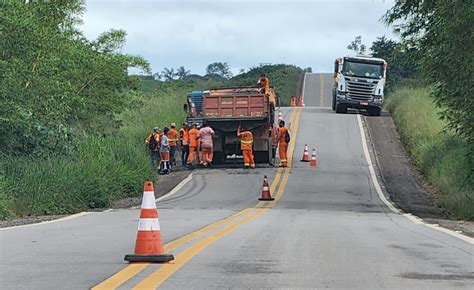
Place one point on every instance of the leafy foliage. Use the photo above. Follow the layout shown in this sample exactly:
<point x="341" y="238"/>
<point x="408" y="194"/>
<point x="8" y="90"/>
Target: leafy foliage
<point x="357" y="46"/>
<point x="220" y="69"/>
<point x="54" y="83"/>
<point x="443" y="33"/>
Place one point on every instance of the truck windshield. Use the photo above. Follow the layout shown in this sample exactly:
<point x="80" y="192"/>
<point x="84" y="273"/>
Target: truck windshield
<point x="367" y="70"/>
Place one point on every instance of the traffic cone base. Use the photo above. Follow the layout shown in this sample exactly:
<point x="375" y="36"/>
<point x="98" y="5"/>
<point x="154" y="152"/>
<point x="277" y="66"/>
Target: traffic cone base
<point x="266" y="196"/>
<point x="149" y="243"/>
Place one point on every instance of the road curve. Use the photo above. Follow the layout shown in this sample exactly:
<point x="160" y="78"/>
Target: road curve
<point x="327" y="229"/>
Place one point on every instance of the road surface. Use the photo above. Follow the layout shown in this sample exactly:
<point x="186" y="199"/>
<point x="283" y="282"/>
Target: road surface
<point x="327" y="228"/>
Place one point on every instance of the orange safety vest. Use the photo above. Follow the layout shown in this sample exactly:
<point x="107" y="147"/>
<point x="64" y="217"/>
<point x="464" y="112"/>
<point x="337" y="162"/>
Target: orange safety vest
<point x="184" y="135"/>
<point x="172" y="137"/>
<point x="246" y="140"/>
<point x="193" y="136"/>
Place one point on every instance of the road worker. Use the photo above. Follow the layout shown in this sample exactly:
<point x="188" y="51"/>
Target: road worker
<point x="283" y="140"/>
<point x="263" y="83"/>
<point x="165" y="167"/>
<point x="205" y="136"/>
<point x="153" y="143"/>
<point x="173" y="140"/>
<point x="184" y="140"/>
<point x="193" y="145"/>
<point x="246" y="143"/>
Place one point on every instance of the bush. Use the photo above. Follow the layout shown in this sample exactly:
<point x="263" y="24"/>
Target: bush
<point x="101" y="168"/>
<point x="439" y="154"/>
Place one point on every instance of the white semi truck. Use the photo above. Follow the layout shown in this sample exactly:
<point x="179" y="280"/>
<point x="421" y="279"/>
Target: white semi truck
<point x="359" y="83"/>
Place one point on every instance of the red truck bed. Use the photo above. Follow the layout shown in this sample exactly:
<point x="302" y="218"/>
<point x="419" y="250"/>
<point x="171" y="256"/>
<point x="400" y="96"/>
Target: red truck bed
<point x="235" y="106"/>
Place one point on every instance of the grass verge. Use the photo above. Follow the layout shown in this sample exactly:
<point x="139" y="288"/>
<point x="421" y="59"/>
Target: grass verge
<point x="438" y="154"/>
<point x="102" y="168"/>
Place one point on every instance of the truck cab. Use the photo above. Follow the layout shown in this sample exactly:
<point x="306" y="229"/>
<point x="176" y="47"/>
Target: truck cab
<point x="359" y="84"/>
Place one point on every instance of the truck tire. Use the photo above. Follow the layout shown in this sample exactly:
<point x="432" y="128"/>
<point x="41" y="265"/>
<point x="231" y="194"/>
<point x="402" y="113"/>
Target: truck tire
<point x="374" y="111"/>
<point x="341" y="109"/>
<point x="333" y="101"/>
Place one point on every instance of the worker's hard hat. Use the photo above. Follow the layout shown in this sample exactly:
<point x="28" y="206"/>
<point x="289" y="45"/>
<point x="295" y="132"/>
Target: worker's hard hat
<point x="173" y="124"/>
<point x="156" y="129"/>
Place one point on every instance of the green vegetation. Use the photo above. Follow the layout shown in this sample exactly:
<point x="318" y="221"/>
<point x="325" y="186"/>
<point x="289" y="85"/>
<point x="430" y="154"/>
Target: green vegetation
<point x="438" y="153"/>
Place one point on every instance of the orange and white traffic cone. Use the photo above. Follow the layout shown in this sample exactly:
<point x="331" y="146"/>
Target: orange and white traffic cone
<point x="314" y="162"/>
<point x="305" y="157"/>
<point x="149" y="244"/>
<point x="280" y="117"/>
<point x="301" y="102"/>
<point x="266" y="191"/>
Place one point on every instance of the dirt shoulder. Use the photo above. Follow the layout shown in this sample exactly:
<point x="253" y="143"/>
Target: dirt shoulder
<point x="404" y="184"/>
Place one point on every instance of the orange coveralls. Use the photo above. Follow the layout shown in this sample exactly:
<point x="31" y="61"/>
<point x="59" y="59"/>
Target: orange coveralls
<point x="246" y="142"/>
<point x="193" y="145"/>
<point x="264" y="84"/>
<point x="282" y="146"/>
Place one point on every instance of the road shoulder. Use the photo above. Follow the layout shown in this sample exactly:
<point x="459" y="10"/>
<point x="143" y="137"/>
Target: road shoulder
<point x="403" y="183"/>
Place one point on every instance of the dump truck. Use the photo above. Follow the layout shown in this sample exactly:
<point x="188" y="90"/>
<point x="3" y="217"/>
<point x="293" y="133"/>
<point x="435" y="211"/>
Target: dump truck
<point x="225" y="109"/>
<point x="359" y="83"/>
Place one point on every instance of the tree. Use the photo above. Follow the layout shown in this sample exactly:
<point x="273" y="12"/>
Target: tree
<point x="220" y="69"/>
<point x="383" y="47"/>
<point x="54" y="82"/>
<point x="308" y="70"/>
<point x="182" y="73"/>
<point x="168" y="74"/>
<point x="442" y="33"/>
<point x="357" y="46"/>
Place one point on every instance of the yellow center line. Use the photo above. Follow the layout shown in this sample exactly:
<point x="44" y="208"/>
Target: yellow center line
<point x="131" y="270"/>
<point x="156" y="278"/>
<point x="321" y="90"/>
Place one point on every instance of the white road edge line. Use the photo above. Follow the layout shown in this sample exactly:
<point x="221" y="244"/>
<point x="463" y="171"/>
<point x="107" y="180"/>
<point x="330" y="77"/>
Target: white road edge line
<point x="70" y="217"/>
<point x="84" y="213"/>
<point x="409" y="216"/>
<point x="176" y="188"/>
<point x="304" y="86"/>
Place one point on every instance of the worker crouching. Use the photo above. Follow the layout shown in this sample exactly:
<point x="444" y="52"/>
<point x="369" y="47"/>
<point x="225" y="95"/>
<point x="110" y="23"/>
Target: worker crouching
<point x="246" y="143"/>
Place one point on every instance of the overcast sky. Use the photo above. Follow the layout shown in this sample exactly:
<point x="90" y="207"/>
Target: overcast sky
<point x="243" y="33"/>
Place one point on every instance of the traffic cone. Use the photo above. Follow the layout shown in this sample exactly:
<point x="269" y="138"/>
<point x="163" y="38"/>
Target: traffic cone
<point x="301" y="102"/>
<point x="266" y="190"/>
<point x="305" y="157"/>
<point x="149" y="244"/>
<point x="314" y="162"/>
<point x="280" y="117"/>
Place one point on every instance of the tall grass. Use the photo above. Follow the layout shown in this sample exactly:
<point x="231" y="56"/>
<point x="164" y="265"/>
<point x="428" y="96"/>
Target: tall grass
<point x="439" y="154"/>
<point x="102" y="168"/>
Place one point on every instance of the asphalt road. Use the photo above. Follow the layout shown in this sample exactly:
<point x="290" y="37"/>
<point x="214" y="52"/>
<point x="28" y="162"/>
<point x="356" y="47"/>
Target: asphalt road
<point x="327" y="228"/>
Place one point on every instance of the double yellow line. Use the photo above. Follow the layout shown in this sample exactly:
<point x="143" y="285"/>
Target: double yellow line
<point x="209" y="233"/>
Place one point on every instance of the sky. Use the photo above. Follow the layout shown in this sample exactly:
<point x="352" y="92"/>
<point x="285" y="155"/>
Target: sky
<point x="242" y="33"/>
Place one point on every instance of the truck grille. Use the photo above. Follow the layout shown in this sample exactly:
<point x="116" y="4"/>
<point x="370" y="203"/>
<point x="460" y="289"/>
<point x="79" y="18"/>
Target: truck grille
<point x="361" y="89"/>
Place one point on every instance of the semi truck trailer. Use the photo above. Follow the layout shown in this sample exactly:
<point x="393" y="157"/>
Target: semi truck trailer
<point x="359" y="83"/>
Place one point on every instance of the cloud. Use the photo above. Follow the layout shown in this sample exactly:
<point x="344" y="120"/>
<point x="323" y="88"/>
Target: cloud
<point x="243" y="33"/>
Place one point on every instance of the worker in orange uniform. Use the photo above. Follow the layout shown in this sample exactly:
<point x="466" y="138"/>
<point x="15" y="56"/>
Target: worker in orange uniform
<point x="172" y="141"/>
<point x="184" y="140"/>
<point x="246" y="143"/>
<point x="283" y="140"/>
<point x="153" y="143"/>
<point x="263" y="83"/>
<point x="193" y="145"/>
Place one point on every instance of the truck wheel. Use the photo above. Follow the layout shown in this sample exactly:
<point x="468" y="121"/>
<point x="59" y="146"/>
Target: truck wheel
<point x="341" y="109"/>
<point x="374" y="111"/>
